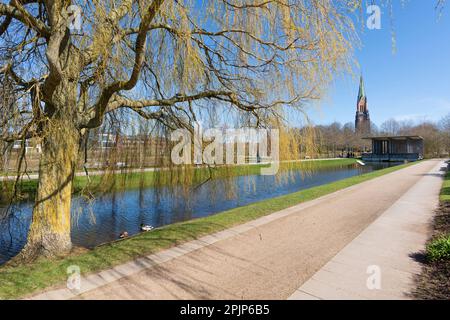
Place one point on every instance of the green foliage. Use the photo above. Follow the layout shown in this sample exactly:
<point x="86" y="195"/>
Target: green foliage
<point x="439" y="249"/>
<point x="445" y="192"/>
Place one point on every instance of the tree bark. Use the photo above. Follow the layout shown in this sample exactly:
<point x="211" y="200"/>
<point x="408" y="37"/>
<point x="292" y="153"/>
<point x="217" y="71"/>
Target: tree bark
<point x="49" y="233"/>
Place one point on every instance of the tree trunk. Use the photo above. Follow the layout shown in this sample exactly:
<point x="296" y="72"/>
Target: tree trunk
<point x="49" y="233"/>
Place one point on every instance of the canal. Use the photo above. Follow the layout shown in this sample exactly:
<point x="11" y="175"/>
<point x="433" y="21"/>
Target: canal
<point x="103" y="219"/>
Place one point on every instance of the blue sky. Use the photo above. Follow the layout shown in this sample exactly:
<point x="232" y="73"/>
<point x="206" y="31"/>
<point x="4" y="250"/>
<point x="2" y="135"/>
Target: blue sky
<point x="411" y="84"/>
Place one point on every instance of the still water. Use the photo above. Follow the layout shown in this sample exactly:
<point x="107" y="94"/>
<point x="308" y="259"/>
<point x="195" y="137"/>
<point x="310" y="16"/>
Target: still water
<point x="103" y="219"/>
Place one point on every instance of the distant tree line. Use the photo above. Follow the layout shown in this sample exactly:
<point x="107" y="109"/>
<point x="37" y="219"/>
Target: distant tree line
<point x="336" y="139"/>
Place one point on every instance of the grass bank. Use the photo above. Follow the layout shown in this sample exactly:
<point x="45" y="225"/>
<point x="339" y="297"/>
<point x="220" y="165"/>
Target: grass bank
<point x="445" y="192"/>
<point x="21" y="280"/>
<point x="132" y="179"/>
<point x="434" y="281"/>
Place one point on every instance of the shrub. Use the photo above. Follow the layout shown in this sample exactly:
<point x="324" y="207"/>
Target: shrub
<point x="439" y="249"/>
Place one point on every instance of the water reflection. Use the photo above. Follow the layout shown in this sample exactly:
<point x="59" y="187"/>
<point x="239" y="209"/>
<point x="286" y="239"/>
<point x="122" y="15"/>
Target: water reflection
<point x="104" y="218"/>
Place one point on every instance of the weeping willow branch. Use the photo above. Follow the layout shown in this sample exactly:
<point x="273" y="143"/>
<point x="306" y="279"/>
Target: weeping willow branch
<point x="168" y="62"/>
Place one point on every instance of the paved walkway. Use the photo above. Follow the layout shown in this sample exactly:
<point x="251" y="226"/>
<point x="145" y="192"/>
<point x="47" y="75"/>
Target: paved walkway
<point x="381" y="262"/>
<point x="272" y="257"/>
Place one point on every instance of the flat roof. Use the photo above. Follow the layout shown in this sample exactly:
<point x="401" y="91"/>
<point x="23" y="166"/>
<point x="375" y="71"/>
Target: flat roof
<point x="394" y="138"/>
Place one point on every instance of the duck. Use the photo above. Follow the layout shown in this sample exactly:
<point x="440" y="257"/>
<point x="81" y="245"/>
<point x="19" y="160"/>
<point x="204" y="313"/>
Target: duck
<point x="123" y="235"/>
<point x="146" y="228"/>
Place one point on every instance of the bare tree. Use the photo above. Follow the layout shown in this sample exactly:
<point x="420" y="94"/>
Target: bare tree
<point x="390" y="127"/>
<point x="433" y="138"/>
<point x="444" y="126"/>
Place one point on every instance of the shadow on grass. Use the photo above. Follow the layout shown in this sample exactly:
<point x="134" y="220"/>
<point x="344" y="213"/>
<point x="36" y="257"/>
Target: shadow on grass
<point x="445" y="191"/>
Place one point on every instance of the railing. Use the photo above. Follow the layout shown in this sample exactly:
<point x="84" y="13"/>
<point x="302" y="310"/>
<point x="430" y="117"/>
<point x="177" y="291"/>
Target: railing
<point x="393" y="157"/>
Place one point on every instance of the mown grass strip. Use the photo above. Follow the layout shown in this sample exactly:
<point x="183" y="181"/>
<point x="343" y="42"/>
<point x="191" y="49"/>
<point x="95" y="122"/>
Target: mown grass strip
<point x="445" y="191"/>
<point x="17" y="281"/>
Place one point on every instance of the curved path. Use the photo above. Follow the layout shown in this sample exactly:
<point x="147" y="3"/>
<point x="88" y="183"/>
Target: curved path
<point x="272" y="257"/>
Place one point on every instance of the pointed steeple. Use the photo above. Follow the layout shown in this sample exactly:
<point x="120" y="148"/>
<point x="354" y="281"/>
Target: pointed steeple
<point x="362" y="92"/>
<point x="362" y="121"/>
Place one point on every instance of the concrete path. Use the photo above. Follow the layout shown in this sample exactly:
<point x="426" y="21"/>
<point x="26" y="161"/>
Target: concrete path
<point x="381" y="262"/>
<point x="272" y="257"/>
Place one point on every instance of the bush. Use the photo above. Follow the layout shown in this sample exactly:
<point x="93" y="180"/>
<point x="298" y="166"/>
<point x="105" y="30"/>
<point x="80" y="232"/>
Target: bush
<point x="439" y="249"/>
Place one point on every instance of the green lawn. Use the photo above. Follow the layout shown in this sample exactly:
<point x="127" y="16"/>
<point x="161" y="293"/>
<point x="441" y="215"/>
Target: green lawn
<point x="21" y="280"/>
<point x="445" y="192"/>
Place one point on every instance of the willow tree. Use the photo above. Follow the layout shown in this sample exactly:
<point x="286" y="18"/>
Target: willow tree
<point x="74" y="62"/>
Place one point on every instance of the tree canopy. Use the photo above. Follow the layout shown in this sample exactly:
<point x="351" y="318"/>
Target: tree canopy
<point x="157" y="57"/>
<point x="70" y="63"/>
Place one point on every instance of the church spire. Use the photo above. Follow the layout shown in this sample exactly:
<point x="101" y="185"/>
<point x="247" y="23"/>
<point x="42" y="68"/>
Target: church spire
<point x="362" y="92"/>
<point x="362" y="121"/>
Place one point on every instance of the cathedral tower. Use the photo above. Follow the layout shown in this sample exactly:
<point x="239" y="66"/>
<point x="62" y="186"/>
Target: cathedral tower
<point x="362" y="120"/>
